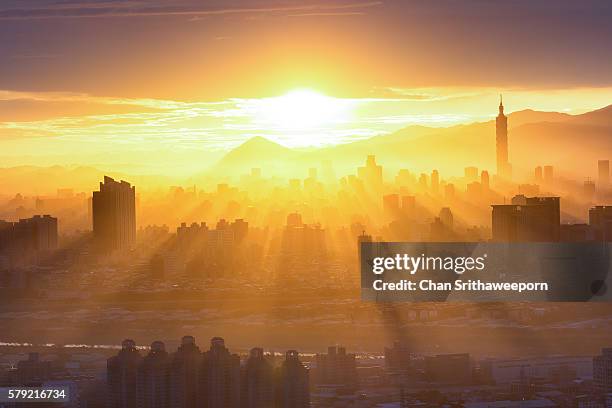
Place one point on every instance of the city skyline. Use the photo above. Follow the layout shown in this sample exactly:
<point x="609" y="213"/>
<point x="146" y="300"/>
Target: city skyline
<point x="306" y="203"/>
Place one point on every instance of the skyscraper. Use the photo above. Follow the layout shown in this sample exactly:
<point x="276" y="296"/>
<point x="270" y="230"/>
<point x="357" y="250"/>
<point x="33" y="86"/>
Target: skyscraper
<point x="154" y="378"/>
<point x="391" y="206"/>
<point x="121" y="374"/>
<point x="603" y="167"/>
<point x="398" y="358"/>
<point x="371" y="174"/>
<point x="602" y="370"/>
<point x="484" y="179"/>
<point x="257" y="381"/>
<point x="184" y="370"/>
<point x="292" y="385"/>
<point x="600" y="219"/>
<point x="336" y="367"/>
<point x="29" y="235"/>
<point x="538" y="174"/>
<point x="435" y="181"/>
<point x="527" y="219"/>
<point x="219" y="377"/>
<point x="501" y="140"/>
<point x="114" y="215"/>
<point x="470" y="173"/>
<point x="548" y="174"/>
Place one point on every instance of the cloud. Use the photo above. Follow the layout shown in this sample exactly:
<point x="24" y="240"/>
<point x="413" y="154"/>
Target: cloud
<point x="155" y="8"/>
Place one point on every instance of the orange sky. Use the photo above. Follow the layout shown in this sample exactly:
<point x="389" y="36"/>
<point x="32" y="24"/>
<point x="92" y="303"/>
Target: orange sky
<point x="81" y="79"/>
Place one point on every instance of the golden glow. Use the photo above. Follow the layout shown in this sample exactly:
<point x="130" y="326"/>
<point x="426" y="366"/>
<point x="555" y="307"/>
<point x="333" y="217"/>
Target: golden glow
<point x="301" y="109"/>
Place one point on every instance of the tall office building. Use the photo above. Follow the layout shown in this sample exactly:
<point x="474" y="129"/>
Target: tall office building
<point x="398" y="358"/>
<point x="114" y="215"/>
<point x="292" y="384"/>
<point x="527" y="219"/>
<point x="470" y="173"/>
<point x="32" y="370"/>
<point x="538" y="174"/>
<point x="600" y="220"/>
<point x="336" y="367"/>
<point x="391" y="206"/>
<point x="603" y="168"/>
<point x="501" y="141"/>
<point x="154" y="378"/>
<point x="549" y="174"/>
<point x="448" y="368"/>
<point x="29" y="235"/>
<point x="484" y="180"/>
<point x="122" y="372"/>
<point x="371" y="174"/>
<point x="446" y="217"/>
<point x="435" y="182"/>
<point x="602" y="371"/>
<point x="184" y="371"/>
<point x="257" y="381"/>
<point x="219" y="377"/>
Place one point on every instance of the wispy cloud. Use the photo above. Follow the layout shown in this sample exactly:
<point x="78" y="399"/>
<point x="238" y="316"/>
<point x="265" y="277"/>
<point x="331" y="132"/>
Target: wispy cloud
<point x="220" y="125"/>
<point x="180" y="8"/>
<point x="329" y="14"/>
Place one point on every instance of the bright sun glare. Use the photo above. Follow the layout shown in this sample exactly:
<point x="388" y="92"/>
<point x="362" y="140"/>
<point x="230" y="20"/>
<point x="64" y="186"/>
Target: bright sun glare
<point x="302" y="110"/>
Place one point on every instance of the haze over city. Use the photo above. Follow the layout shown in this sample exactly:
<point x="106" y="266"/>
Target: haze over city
<point x="193" y="193"/>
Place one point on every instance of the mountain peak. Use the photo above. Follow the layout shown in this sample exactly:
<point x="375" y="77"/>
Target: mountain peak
<point x="260" y="142"/>
<point x="254" y="152"/>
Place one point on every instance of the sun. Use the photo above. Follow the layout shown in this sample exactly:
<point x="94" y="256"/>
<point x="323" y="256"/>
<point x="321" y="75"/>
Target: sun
<point x="302" y="110"/>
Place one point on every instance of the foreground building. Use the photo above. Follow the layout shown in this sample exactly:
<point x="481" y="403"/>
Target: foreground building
<point x="114" y="215"/>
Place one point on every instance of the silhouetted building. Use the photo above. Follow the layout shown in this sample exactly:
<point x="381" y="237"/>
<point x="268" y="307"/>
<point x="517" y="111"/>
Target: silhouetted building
<point x="154" y="378"/>
<point x="533" y="219"/>
<point x="122" y="374"/>
<point x="576" y="233"/>
<point x="292" y="383"/>
<point x="435" y="182"/>
<point x="602" y="371"/>
<point x="257" y="381"/>
<point x="600" y="220"/>
<point x="603" y="169"/>
<point x="184" y="374"/>
<point x="391" y="206"/>
<point x="371" y="174"/>
<point x="336" y="367"/>
<point x="470" y="173"/>
<point x="29" y="235"/>
<point x="408" y="206"/>
<point x="538" y="174"/>
<point x="501" y="141"/>
<point x="114" y="215"/>
<point x="589" y="190"/>
<point x="423" y="182"/>
<point x="398" y="358"/>
<point x="484" y="179"/>
<point x="219" y="377"/>
<point x="548" y="174"/>
<point x="31" y="370"/>
<point x="446" y="217"/>
<point x="449" y="191"/>
<point x="448" y="368"/>
<point x="301" y="241"/>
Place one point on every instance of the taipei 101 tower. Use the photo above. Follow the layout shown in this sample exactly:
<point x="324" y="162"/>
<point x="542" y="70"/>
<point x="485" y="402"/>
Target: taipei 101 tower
<point x="504" y="170"/>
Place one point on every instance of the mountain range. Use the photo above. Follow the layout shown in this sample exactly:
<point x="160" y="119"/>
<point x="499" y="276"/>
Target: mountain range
<point x="571" y="143"/>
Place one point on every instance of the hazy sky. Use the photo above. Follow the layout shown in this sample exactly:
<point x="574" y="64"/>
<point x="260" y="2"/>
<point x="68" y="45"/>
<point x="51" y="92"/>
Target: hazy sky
<point x="78" y="77"/>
